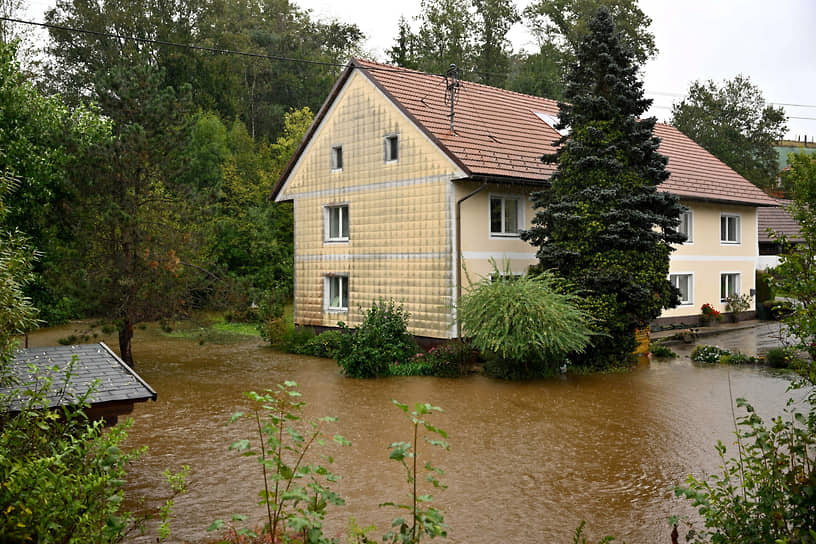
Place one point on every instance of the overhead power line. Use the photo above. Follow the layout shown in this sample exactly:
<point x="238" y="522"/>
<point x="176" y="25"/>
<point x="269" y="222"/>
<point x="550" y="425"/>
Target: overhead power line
<point x="196" y="47"/>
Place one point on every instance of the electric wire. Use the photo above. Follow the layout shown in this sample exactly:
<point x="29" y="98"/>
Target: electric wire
<point x="307" y="61"/>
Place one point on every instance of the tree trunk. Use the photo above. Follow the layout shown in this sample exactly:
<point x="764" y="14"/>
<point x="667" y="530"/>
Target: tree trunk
<point x="125" y="337"/>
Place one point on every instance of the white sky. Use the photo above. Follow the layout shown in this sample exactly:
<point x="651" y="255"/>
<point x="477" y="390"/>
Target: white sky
<point x="774" y="43"/>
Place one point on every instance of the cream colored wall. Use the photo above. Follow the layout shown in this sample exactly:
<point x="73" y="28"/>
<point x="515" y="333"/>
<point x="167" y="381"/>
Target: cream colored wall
<point x="706" y="257"/>
<point x="400" y="234"/>
<point x="478" y="246"/>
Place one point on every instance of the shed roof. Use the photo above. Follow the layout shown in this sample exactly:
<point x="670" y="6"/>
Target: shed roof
<point x="779" y="220"/>
<point x="499" y="134"/>
<point x="96" y="366"/>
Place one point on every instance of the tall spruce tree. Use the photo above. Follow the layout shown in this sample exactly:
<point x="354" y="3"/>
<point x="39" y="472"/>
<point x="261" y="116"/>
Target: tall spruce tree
<point x="602" y="223"/>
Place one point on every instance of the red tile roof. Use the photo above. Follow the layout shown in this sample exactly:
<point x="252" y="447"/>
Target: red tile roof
<point x="497" y="134"/>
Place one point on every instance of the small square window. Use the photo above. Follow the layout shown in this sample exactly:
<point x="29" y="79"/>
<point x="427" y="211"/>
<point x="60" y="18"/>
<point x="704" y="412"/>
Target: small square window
<point x="730" y="229"/>
<point x="684" y="283"/>
<point x="336" y="223"/>
<point x="687" y="225"/>
<point x="391" y="143"/>
<point x="505" y="215"/>
<point x="337" y="157"/>
<point x="335" y="293"/>
<point x="729" y="285"/>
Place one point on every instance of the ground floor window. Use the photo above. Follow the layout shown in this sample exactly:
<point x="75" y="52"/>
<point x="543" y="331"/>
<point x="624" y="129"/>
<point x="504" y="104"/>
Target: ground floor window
<point x="729" y="285"/>
<point x="684" y="283"/>
<point x="335" y="293"/>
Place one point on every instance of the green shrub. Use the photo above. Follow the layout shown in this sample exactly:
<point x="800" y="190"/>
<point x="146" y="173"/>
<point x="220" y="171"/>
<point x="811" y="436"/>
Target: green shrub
<point x="778" y="358"/>
<point x="737" y="358"/>
<point x="61" y="474"/>
<point x="708" y="354"/>
<point x="526" y="322"/>
<point x="271" y="324"/>
<point x="295" y="339"/>
<point x="767" y="491"/>
<point x="658" y="349"/>
<point x="449" y="360"/>
<point x="381" y="340"/>
<point x="326" y="344"/>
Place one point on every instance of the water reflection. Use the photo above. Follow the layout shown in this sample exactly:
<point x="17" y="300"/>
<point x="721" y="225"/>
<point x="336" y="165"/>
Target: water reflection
<point x="528" y="461"/>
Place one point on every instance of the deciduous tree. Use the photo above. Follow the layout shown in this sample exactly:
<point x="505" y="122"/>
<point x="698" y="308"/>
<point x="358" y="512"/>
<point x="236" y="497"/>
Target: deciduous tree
<point x="560" y="25"/>
<point x="735" y="124"/>
<point x="795" y="276"/>
<point x="602" y="224"/>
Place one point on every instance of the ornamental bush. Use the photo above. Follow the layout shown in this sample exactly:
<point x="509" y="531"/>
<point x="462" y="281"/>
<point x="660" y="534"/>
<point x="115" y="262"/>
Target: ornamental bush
<point x="526" y="326"/>
<point x="380" y="341"/>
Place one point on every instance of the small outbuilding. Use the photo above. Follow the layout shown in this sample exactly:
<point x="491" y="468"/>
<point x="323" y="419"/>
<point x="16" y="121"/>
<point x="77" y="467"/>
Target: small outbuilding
<point x="73" y="371"/>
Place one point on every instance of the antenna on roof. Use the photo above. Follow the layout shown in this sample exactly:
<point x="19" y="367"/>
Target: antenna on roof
<point x="452" y="85"/>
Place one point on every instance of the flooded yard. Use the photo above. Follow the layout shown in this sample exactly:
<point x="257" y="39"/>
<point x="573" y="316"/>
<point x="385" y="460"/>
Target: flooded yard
<point x="528" y="461"/>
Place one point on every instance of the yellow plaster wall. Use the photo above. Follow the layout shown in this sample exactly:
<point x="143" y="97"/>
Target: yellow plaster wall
<point x="706" y="257"/>
<point x="477" y="243"/>
<point x="400" y="241"/>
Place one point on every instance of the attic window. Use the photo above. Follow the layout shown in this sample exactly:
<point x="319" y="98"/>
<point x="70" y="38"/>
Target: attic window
<point x="337" y="157"/>
<point x="552" y="120"/>
<point x="391" y="143"/>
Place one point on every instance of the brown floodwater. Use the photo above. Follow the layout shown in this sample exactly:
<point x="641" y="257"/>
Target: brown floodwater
<point x="527" y="461"/>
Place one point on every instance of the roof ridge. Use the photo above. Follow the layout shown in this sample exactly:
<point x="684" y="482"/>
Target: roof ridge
<point x="491" y="88"/>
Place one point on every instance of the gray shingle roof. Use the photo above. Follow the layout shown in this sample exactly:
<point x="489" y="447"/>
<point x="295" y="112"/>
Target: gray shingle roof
<point x="96" y="365"/>
<point x="779" y="220"/>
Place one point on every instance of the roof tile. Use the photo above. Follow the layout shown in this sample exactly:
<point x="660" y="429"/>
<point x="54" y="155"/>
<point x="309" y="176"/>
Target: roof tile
<point x="497" y="133"/>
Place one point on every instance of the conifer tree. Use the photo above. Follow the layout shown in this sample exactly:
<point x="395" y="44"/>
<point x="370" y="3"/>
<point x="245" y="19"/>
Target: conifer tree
<point x="602" y="223"/>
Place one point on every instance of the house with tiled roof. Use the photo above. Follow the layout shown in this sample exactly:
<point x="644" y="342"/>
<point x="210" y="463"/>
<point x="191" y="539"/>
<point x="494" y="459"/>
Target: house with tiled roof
<point x="68" y="374"/>
<point x="407" y="184"/>
<point x="773" y="222"/>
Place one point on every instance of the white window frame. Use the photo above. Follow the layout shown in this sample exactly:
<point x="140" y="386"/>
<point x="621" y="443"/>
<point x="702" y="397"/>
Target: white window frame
<point x="388" y="148"/>
<point x="341" y="280"/>
<point x="337" y="158"/>
<point x="519" y="215"/>
<point x="343" y="208"/>
<point x="690" y="224"/>
<point x="724" y="218"/>
<point x="690" y="275"/>
<point x="737" y="287"/>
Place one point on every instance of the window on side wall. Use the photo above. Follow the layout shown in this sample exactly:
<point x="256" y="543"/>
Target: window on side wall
<point x="336" y="223"/>
<point x="391" y="143"/>
<point x="729" y="285"/>
<point x="729" y="229"/>
<point x="687" y="225"/>
<point x="335" y="293"/>
<point x="685" y="284"/>
<point x="337" y="157"/>
<point x="505" y="215"/>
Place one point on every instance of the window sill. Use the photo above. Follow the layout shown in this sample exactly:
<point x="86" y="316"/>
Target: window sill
<point x="726" y="243"/>
<point x="331" y="241"/>
<point x="335" y="311"/>
<point x="501" y="236"/>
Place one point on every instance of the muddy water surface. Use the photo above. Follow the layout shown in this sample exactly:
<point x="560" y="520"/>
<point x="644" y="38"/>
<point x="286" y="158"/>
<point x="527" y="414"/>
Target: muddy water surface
<point x="527" y="462"/>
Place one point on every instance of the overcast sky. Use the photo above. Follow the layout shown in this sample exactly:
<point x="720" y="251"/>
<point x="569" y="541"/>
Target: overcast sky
<point x="774" y="43"/>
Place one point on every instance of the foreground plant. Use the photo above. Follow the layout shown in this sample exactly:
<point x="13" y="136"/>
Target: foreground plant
<point x="525" y="321"/>
<point x="424" y="518"/>
<point x="767" y="492"/>
<point x="296" y="492"/>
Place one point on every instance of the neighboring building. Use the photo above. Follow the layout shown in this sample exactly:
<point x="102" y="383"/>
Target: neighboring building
<point x="786" y="147"/>
<point x="391" y="203"/>
<point x="115" y="386"/>
<point x="779" y="221"/>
